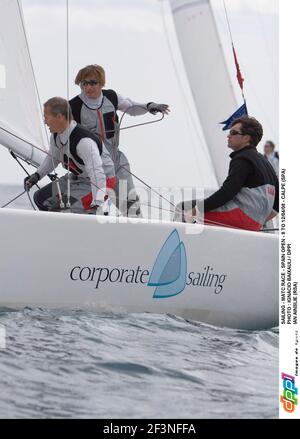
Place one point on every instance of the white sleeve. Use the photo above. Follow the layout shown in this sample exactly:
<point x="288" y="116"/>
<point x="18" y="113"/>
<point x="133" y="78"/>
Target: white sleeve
<point x="131" y="107"/>
<point x="51" y="160"/>
<point x="88" y="151"/>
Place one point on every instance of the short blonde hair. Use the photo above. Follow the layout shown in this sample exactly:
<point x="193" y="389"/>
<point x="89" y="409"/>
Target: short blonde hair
<point x="86" y="71"/>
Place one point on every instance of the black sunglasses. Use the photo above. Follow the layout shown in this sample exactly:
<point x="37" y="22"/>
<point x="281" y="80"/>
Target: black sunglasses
<point x="92" y="82"/>
<point x="234" y="133"/>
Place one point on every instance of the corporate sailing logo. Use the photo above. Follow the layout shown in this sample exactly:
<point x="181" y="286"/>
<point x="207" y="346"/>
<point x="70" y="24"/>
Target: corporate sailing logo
<point x="169" y="274"/>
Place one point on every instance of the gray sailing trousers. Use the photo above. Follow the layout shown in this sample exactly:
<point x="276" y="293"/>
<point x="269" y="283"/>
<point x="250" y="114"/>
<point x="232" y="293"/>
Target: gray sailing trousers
<point x="47" y="198"/>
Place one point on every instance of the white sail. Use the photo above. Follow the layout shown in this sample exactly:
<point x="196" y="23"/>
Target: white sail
<point x="20" y="115"/>
<point x="208" y="75"/>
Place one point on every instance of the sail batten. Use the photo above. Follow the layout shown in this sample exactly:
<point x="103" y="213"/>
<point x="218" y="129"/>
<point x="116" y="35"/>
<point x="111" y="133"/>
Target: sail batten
<point x="20" y="113"/>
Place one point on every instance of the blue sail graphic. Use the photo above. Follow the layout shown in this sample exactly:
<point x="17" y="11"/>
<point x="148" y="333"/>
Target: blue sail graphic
<point x="179" y="284"/>
<point x="163" y="257"/>
<point x="170" y="268"/>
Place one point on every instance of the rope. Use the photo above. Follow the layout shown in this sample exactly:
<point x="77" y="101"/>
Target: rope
<point x="16" y="158"/>
<point x="227" y="20"/>
<point x="239" y="76"/>
<point x="14" y="199"/>
<point x="147" y="185"/>
<point x="137" y="124"/>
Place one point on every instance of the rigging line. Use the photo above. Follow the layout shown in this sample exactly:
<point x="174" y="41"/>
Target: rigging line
<point x="147" y="205"/>
<point x="177" y="209"/>
<point x="24" y="169"/>
<point x="51" y="176"/>
<point x="14" y="199"/>
<point x="139" y="179"/>
<point x="135" y="125"/>
<point x="215" y="223"/>
<point x="147" y="185"/>
<point x="144" y="204"/>
<point x="227" y="20"/>
<point x="32" y="69"/>
<point x="34" y="146"/>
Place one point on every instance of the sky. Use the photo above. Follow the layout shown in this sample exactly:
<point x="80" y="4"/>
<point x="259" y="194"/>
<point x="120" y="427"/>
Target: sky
<point x="130" y="40"/>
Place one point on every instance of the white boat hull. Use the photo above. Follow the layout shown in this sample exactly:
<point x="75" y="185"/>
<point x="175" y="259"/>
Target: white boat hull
<point x="57" y="260"/>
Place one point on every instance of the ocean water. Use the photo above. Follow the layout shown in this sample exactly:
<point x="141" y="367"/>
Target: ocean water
<point x="78" y="364"/>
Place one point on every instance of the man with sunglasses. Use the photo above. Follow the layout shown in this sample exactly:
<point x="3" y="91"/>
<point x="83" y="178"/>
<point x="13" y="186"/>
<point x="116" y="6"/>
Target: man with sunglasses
<point x="249" y="195"/>
<point x="96" y="109"/>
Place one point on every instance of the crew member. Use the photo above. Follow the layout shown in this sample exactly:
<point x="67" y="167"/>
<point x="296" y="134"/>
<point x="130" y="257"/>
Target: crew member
<point x="96" y="109"/>
<point x="249" y="195"/>
<point x="80" y="151"/>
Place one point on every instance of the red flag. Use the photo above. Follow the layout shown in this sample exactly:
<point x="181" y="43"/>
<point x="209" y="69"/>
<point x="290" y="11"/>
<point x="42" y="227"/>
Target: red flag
<point x="238" y="72"/>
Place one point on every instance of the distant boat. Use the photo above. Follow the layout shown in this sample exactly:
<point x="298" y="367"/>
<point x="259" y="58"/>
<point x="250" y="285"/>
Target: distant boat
<point x="216" y="275"/>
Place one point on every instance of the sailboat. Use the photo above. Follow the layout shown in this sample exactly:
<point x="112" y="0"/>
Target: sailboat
<point x="217" y="275"/>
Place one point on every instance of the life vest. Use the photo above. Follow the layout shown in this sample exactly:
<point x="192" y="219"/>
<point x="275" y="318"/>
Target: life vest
<point x="76" y="165"/>
<point x="103" y="121"/>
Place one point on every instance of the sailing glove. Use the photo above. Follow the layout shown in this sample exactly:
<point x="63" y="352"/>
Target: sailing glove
<point x="30" y="181"/>
<point x="154" y="108"/>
